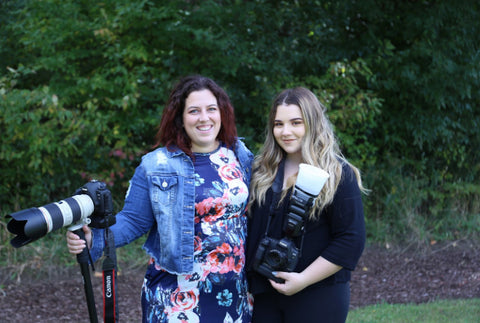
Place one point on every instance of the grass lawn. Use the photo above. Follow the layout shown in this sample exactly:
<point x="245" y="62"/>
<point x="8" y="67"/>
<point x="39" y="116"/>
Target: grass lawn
<point x="443" y="311"/>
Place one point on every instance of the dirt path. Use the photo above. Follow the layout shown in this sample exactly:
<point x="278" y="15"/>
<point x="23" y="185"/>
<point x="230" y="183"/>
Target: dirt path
<point x="404" y="276"/>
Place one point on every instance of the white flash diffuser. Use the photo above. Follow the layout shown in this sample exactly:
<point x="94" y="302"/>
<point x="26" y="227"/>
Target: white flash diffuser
<point x="311" y="179"/>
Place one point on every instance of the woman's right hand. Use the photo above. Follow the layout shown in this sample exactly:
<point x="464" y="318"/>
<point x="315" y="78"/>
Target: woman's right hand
<point x="76" y="245"/>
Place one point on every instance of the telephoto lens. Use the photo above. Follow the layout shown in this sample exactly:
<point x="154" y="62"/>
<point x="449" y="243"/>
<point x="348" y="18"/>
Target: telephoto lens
<point x="32" y="224"/>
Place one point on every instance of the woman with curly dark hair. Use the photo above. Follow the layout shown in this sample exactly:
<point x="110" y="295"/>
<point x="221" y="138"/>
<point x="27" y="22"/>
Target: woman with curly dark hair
<point x="190" y="196"/>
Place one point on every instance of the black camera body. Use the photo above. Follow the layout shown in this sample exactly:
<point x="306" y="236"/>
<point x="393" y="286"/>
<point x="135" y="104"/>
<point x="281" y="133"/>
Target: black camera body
<point x="283" y="254"/>
<point x="102" y="216"/>
<point x="276" y="255"/>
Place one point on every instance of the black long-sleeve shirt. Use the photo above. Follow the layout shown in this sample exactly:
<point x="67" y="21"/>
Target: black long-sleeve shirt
<point x="338" y="235"/>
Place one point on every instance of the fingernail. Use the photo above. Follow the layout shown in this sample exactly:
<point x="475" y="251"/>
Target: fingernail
<point x="274" y="273"/>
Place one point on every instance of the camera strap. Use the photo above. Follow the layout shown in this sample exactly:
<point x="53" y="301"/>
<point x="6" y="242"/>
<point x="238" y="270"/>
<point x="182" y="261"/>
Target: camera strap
<point x="276" y="193"/>
<point x="272" y="210"/>
<point x="300" y="249"/>
<point x="109" y="266"/>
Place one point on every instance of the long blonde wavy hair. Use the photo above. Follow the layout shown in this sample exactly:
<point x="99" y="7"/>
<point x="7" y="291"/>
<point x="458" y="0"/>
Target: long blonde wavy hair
<point x="319" y="148"/>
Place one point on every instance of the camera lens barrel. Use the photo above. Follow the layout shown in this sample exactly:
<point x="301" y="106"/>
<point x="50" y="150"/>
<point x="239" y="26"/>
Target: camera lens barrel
<point x="276" y="259"/>
<point x="32" y="224"/>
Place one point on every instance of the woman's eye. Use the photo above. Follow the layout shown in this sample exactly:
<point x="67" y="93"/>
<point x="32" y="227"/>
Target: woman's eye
<point x="297" y="122"/>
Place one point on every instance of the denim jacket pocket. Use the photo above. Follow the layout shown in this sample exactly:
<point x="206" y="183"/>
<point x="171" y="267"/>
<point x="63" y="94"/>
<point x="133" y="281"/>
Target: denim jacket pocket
<point x="164" y="189"/>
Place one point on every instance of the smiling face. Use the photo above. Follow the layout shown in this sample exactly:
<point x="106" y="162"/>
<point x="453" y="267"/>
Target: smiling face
<point x="289" y="129"/>
<point x="202" y="120"/>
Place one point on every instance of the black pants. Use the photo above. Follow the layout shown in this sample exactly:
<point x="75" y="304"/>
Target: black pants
<point x="323" y="304"/>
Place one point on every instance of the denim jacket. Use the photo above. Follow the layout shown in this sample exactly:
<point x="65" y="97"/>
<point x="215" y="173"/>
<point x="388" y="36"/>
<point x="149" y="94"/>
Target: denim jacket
<point x="161" y="200"/>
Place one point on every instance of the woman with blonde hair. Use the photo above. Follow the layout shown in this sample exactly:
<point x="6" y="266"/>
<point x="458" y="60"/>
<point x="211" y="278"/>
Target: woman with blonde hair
<point x="299" y="267"/>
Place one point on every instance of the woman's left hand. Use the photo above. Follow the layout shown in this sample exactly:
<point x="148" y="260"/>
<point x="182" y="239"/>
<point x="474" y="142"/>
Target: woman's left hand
<point x="292" y="285"/>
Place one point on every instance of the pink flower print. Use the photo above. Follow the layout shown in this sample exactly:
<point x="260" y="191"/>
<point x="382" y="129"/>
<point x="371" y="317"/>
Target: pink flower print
<point x="183" y="300"/>
<point x="211" y="208"/>
<point x="239" y="258"/>
<point x="197" y="244"/>
<point x="222" y="260"/>
<point x="219" y="260"/>
<point x="229" y="172"/>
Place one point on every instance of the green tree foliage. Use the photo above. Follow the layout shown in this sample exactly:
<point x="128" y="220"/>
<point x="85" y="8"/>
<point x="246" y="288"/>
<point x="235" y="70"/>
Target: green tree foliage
<point x="430" y="61"/>
<point x="425" y="58"/>
<point x="83" y="85"/>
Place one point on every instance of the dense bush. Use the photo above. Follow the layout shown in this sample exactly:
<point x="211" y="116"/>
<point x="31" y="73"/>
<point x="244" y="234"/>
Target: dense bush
<point x="82" y="88"/>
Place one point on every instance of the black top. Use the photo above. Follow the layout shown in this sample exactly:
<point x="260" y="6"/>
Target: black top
<point x="338" y="236"/>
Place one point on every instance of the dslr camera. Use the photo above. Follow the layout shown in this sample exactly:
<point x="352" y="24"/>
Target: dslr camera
<point x="283" y="254"/>
<point x="91" y="204"/>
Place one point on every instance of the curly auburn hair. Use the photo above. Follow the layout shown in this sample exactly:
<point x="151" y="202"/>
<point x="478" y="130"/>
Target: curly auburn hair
<point x="171" y="133"/>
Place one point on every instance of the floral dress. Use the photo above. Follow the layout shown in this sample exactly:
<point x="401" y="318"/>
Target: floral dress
<point x="216" y="290"/>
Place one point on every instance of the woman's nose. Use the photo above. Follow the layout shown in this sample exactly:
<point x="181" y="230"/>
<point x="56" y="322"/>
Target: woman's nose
<point x="286" y="129"/>
<point x="203" y="115"/>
